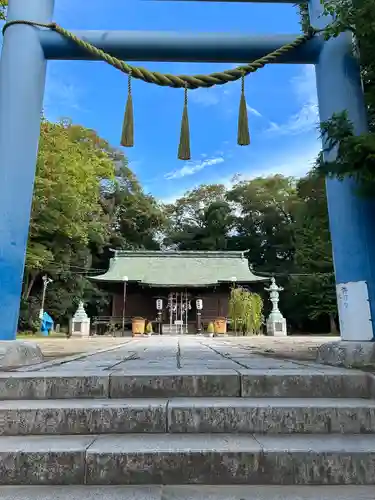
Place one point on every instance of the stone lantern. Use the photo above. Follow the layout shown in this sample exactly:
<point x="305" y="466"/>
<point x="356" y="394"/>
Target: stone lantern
<point x="276" y="323"/>
<point x="80" y="323"/>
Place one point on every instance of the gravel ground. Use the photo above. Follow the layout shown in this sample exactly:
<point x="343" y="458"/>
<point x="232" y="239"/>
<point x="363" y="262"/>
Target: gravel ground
<point x="61" y="347"/>
<point x="294" y="347"/>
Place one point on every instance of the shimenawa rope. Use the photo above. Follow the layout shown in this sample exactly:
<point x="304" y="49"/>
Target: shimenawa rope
<point x="187" y="82"/>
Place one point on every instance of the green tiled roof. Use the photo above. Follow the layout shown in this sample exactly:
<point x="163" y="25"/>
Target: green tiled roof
<point x="173" y="268"/>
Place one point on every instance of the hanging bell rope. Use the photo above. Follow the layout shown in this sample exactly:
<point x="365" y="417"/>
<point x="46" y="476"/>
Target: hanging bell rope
<point x="127" y="135"/>
<point x="243" y="134"/>
<point x="184" y="146"/>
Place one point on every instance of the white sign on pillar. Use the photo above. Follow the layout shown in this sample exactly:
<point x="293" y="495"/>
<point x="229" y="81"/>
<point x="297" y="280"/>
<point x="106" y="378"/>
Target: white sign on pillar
<point x="354" y="311"/>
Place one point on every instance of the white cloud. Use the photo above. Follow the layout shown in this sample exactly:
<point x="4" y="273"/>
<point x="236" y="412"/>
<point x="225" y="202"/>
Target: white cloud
<point x="192" y="167"/>
<point x="219" y="95"/>
<point x="295" y="163"/>
<point x="253" y="111"/>
<point x="307" y="118"/>
<point x="206" y="97"/>
<point x="290" y="164"/>
<point x="61" y="95"/>
<point x="168" y="200"/>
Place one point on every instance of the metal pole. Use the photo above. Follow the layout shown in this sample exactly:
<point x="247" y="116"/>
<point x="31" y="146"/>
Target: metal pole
<point x="159" y="322"/>
<point x="186" y="311"/>
<point x="199" y="322"/>
<point x="176" y="326"/>
<point x="351" y="216"/>
<point x="181" y="314"/>
<point x="170" y="311"/>
<point x="22" y="79"/>
<point x="46" y="282"/>
<point x="176" y="315"/>
<point x="41" y="312"/>
<point x="199" y="307"/>
<point x="124" y="305"/>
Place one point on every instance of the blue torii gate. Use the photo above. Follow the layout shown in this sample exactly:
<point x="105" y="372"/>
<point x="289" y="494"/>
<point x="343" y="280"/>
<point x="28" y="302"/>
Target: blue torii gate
<point x="25" y="52"/>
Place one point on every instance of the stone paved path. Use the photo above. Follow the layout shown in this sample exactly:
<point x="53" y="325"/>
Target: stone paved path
<point x="175" y="353"/>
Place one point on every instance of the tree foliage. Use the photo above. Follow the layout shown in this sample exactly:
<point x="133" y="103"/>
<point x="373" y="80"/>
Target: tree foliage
<point x="355" y="152"/>
<point x="280" y="223"/>
<point x="3" y="6"/>
<point x="200" y="220"/>
<point x="359" y="18"/>
<point x="245" y="311"/>
<point x="86" y="201"/>
<point x="265" y="215"/>
<point x="313" y="257"/>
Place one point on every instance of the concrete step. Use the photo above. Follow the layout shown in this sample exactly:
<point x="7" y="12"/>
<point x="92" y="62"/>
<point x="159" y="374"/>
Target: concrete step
<point x="187" y="459"/>
<point x="187" y="415"/>
<point x="200" y="492"/>
<point x="64" y="384"/>
<point x="271" y="415"/>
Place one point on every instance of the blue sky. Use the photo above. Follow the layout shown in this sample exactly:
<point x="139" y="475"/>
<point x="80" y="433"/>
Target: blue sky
<point x="281" y="98"/>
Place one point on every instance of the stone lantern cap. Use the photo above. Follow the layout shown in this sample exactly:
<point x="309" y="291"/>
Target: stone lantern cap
<point x="80" y="315"/>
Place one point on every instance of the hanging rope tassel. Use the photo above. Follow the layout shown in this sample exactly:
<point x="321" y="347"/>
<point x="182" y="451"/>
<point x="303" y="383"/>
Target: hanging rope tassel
<point x="184" y="146"/>
<point x="127" y="136"/>
<point x="243" y="135"/>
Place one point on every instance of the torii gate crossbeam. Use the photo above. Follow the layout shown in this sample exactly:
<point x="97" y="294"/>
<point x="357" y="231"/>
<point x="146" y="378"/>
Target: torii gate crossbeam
<point x="22" y="81"/>
<point x="181" y="47"/>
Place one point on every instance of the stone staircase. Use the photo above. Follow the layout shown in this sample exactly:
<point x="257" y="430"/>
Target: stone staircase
<point x="211" y="427"/>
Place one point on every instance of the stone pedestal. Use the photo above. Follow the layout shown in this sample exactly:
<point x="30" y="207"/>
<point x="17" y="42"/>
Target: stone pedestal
<point x="80" y="323"/>
<point x="276" y="325"/>
<point x="348" y="354"/>
<point x="17" y="353"/>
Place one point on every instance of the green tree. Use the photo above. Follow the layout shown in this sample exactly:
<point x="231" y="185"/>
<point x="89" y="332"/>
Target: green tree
<point x="86" y="201"/>
<point x="201" y="220"/>
<point x="66" y="211"/>
<point x="66" y="217"/>
<point x="245" y="311"/>
<point x="314" y="288"/>
<point x="136" y="218"/>
<point x="355" y="156"/>
<point x="282" y="225"/>
<point x="264" y="224"/>
<point x="3" y="7"/>
<point x="358" y="17"/>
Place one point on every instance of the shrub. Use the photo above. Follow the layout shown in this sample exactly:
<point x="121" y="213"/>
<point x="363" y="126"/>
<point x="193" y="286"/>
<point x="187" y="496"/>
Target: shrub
<point x="245" y="311"/>
<point x="210" y="328"/>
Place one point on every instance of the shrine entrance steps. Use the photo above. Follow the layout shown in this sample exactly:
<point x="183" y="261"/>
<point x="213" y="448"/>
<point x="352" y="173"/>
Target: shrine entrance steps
<point x="196" y="418"/>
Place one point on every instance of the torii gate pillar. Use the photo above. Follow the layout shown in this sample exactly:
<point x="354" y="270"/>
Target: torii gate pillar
<point x="22" y="80"/>
<point x="339" y="88"/>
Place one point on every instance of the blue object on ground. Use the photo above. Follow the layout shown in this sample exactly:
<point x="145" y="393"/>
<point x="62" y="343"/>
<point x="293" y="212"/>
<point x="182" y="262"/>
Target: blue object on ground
<point x="47" y="324"/>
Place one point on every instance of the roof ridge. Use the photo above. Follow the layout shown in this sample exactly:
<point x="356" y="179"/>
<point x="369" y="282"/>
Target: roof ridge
<point x="178" y="253"/>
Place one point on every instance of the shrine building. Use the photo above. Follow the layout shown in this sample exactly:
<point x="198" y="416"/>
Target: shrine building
<point x="180" y="291"/>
